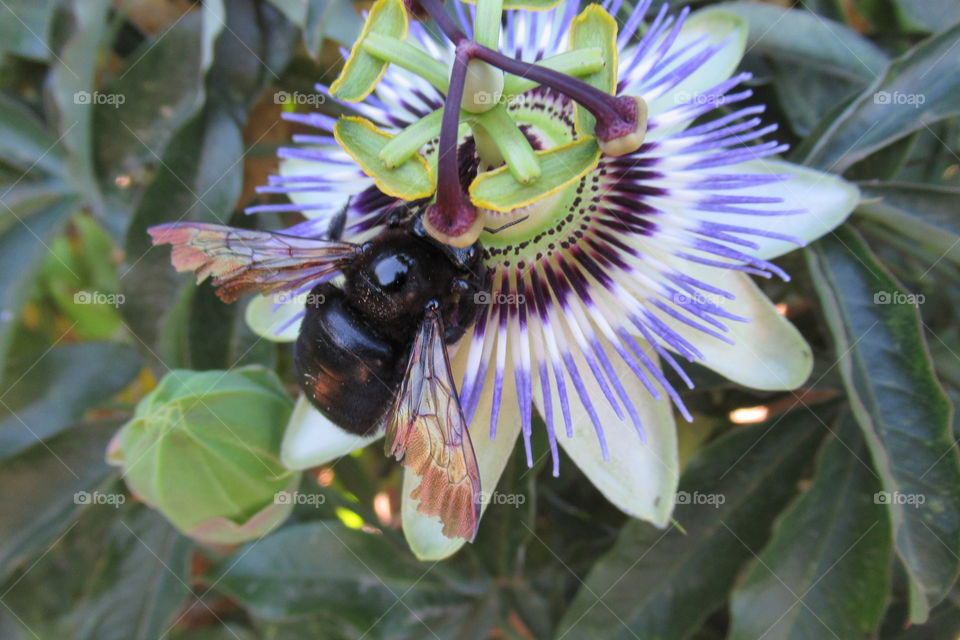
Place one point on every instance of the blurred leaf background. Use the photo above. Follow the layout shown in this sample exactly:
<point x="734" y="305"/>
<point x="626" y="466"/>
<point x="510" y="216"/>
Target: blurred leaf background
<point x="118" y="115"/>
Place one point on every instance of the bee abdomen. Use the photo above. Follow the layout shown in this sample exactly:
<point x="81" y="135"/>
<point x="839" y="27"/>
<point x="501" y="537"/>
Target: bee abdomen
<point x="348" y="372"/>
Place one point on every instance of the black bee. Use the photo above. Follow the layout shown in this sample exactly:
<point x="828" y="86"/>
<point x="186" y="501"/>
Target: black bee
<point x="371" y="351"/>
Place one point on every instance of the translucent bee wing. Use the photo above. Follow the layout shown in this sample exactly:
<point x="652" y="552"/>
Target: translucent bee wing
<point x="243" y="260"/>
<point x="427" y="432"/>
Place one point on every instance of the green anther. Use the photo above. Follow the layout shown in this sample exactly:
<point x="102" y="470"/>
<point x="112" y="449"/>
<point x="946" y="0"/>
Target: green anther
<point x="512" y="144"/>
<point x="487" y="28"/>
<point x="578" y="63"/>
<point x="406" y="143"/>
<point x="412" y="58"/>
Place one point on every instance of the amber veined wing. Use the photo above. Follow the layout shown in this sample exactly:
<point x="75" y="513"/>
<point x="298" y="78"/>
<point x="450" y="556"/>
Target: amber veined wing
<point x="427" y="432"/>
<point x="243" y="260"/>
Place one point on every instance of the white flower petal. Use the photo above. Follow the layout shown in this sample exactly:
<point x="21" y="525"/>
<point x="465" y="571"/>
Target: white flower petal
<point x="640" y="478"/>
<point x="337" y="192"/>
<point x="769" y="353"/>
<point x="714" y="26"/>
<point x="423" y="533"/>
<point x="311" y="439"/>
<point x="277" y="325"/>
<point x="826" y="198"/>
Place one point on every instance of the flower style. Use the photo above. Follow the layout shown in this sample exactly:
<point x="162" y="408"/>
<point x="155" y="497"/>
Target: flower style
<point x="623" y="197"/>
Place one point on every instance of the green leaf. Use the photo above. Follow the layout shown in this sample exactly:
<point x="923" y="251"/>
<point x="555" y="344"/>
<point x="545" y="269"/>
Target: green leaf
<point x="200" y="180"/>
<point x="23" y="245"/>
<point x="72" y="85"/>
<point x="560" y="167"/>
<point x="667" y="582"/>
<point x="815" y="63"/>
<point x="926" y="214"/>
<point x="39" y="487"/>
<point x="201" y="176"/>
<point x="902" y="409"/>
<point x="24" y="27"/>
<point x="929" y="15"/>
<point x="331" y="19"/>
<point x="595" y="28"/>
<point x="325" y="568"/>
<point x="147" y="113"/>
<point x="411" y="180"/>
<point x="806" y="94"/>
<point x="917" y="89"/>
<point x="58" y="388"/>
<point x="944" y="622"/>
<point x="57" y="580"/>
<point x="25" y="142"/>
<point x="363" y="71"/>
<point x="826" y="570"/>
<point x="801" y="37"/>
<point x="142" y="584"/>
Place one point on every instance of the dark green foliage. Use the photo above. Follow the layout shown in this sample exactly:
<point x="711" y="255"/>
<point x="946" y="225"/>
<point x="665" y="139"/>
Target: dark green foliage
<point x="840" y="519"/>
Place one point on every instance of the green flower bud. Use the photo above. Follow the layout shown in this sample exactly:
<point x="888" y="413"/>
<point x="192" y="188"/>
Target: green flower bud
<point x="203" y="448"/>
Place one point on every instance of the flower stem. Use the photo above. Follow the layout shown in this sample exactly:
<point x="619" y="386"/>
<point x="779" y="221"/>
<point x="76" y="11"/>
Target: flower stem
<point x="449" y="190"/>
<point x="452" y="219"/>
<point x="602" y="105"/>
<point x="436" y="11"/>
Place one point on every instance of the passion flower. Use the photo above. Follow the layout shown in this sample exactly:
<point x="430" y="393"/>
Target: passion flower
<point x="618" y="178"/>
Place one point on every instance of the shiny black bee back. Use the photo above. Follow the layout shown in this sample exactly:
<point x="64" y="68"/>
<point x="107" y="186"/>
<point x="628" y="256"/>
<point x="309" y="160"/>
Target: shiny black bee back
<point x="354" y="342"/>
<point x="347" y="371"/>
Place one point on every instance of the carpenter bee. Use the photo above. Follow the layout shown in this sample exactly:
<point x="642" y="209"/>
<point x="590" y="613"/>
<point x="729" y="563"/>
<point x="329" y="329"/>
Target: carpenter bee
<point x="371" y="349"/>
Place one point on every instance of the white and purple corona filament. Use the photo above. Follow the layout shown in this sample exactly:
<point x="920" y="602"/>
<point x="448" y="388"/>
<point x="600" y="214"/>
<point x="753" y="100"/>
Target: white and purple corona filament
<point x="638" y="263"/>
